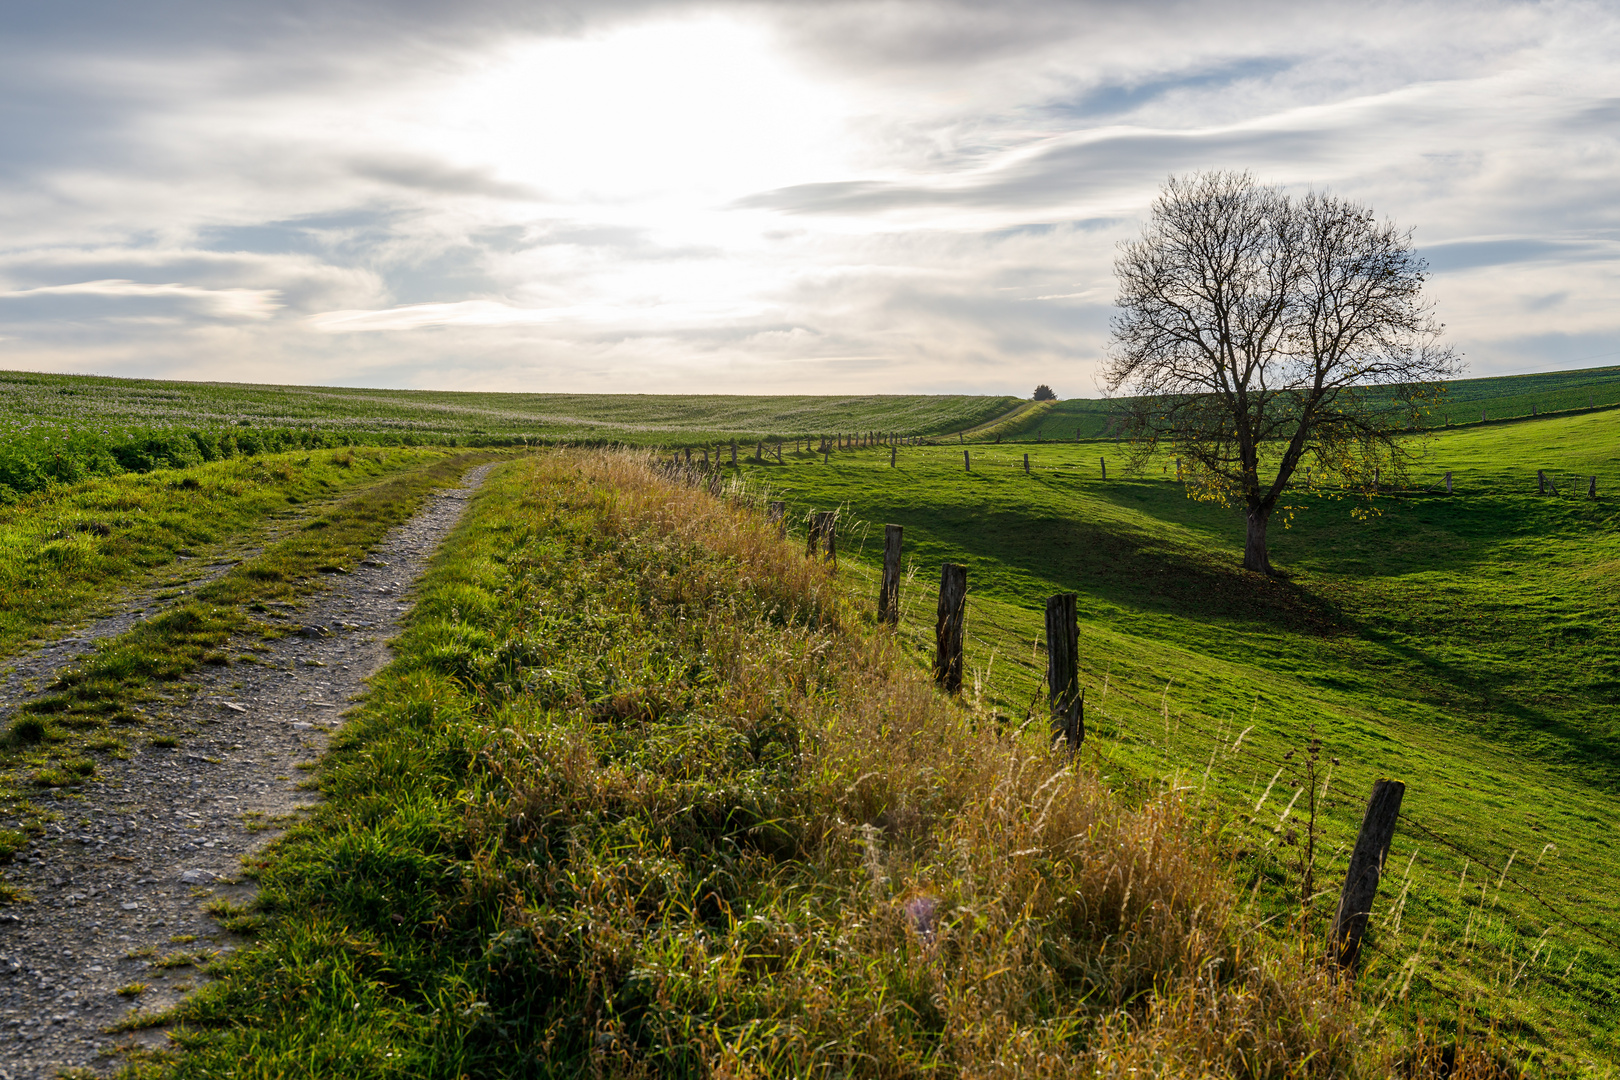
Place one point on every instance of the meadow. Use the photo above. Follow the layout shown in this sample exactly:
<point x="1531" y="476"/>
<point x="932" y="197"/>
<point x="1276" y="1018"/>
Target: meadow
<point x="1461" y="643"/>
<point x="634" y="743"/>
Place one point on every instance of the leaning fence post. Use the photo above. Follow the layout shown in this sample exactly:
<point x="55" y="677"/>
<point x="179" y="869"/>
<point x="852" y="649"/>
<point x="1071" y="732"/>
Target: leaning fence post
<point x="967" y="462"/>
<point x="1541" y="480"/>
<point x="776" y="511"/>
<point x="1063" y="669"/>
<point x="1366" y="866"/>
<point x="889" y="591"/>
<point x="948" y="627"/>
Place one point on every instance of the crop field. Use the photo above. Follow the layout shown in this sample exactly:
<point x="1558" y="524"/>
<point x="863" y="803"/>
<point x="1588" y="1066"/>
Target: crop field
<point x="1463" y="644"/>
<point x="82" y="404"/>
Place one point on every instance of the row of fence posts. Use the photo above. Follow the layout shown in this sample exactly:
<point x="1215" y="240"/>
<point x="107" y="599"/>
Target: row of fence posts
<point x="1066" y="698"/>
<point x="1544" y="482"/>
<point x="1066" y="706"/>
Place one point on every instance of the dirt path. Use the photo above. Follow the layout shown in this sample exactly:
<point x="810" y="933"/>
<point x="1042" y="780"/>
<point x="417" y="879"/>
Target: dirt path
<point x="121" y="878"/>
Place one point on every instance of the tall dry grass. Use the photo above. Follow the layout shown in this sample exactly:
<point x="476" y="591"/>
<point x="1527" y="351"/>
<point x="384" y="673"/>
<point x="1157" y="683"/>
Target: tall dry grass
<point x="1044" y="927"/>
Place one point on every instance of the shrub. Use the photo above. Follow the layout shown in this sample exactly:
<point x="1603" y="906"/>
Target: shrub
<point x="1044" y="393"/>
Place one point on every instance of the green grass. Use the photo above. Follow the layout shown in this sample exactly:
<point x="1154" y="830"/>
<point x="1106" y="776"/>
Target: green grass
<point x="1462" y="644"/>
<point x="88" y="403"/>
<point x="68" y="549"/>
<point x="642" y="796"/>
<point x="129" y="680"/>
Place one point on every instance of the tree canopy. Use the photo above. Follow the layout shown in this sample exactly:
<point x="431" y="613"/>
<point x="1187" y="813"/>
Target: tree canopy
<point x="1257" y="332"/>
<point x="1044" y="393"/>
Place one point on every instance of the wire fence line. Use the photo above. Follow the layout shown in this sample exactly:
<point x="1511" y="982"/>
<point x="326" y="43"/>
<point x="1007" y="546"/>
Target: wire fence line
<point x="1215" y="735"/>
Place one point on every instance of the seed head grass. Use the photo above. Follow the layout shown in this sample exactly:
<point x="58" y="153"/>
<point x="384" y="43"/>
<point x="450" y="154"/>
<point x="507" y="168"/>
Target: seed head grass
<point x="643" y="794"/>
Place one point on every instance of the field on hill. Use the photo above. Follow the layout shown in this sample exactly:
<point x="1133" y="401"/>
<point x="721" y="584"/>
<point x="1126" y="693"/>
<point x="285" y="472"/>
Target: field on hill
<point x="1463" y="644"/>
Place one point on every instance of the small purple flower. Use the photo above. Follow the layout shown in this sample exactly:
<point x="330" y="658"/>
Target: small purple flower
<point x="921" y="911"/>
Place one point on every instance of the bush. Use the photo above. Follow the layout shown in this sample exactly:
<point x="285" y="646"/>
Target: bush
<point x="1044" y="393"/>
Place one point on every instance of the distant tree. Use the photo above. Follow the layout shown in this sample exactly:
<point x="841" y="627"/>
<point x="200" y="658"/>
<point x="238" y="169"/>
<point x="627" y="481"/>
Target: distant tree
<point x="1044" y="393"/>
<point x="1258" y="331"/>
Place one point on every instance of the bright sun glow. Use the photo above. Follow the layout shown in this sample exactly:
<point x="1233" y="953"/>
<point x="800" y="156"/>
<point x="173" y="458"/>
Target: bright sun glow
<point x="698" y="111"/>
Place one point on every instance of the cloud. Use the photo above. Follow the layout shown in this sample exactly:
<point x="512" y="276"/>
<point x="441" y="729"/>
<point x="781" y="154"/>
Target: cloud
<point x="437" y="177"/>
<point x="875" y="195"/>
<point x="256" y="304"/>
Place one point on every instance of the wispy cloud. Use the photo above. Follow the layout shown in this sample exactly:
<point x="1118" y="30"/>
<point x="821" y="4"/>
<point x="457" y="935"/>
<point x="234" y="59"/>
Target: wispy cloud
<point x="256" y="304"/>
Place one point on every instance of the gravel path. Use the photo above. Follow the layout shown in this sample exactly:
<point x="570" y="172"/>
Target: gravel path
<point x="121" y="878"/>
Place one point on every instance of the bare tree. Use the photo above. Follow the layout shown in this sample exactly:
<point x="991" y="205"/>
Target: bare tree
<point x="1258" y="332"/>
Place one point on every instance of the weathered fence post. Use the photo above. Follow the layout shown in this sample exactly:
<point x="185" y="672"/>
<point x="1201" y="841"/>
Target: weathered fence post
<point x="1063" y="670"/>
<point x="776" y="511"/>
<point x="779" y="451"/>
<point x="1104" y="462"/>
<point x="967" y="462"/>
<point x="1366" y="867"/>
<point x="893" y="450"/>
<point x="1541" y="480"/>
<point x="829" y="533"/>
<point x="948" y="627"/>
<point x="889" y="591"/>
<point x="1591" y="492"/>
<point x="812" y="540"/>
<point x="1026" y="464"/>
<point x="1076" y="434"/>
<point x="759" y="452"/>
<point x="689" y="455"/>
<point x="1448" y="483"/>
<point x="826" y="453"/>
<point x="1482" y="416"/>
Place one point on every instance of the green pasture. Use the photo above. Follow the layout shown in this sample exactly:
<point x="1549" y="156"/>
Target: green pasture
<point x="1463" y="644"/>
<point x="88" y="403"/>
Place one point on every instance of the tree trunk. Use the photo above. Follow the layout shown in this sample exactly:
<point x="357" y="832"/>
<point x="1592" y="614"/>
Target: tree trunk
<point x="1254" y="546"/>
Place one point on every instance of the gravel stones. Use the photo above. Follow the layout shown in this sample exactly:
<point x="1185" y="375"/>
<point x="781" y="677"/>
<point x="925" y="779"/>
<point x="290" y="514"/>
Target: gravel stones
<point x="121" y="877"/>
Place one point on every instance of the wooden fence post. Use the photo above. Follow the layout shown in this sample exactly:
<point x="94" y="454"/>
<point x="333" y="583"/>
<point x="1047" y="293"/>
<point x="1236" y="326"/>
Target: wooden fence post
<point x="948" y="627"/>
<point x="1026" y="464"/>
<point x="1076" y="434"/>
<point x="1541" y="480"/>
<point x="893" y="450"/>
<point x="1366" y="866"/>
<point x="777" y="511"/>
<point x="967" y="462"/>
<point x="1448" y="483"/>
<point x="1104" y="462"/>
<point x="734" y="451"/>
<point x="779" y="451"/>
<point x="813" y="535"/>
<point x="759" y="452"/>
<point x="689" y="455"/>
<point x="889" y="591"/>
<point x="1591" y="492"/>
<point x="1063" y="670"/>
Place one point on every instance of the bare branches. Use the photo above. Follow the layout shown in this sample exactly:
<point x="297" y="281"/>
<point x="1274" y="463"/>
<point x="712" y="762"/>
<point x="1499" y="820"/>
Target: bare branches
<point x="1253" y="322"/>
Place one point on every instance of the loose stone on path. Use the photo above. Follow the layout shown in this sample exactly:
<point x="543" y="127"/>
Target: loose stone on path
<point x="121" y="875"/>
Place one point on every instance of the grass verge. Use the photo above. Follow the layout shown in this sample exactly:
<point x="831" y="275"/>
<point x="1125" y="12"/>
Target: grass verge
<point x="54" y="741"/>
<point x="644" y="796"/>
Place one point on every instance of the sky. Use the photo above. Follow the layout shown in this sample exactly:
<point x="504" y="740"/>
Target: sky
<point x="885" y="196"/>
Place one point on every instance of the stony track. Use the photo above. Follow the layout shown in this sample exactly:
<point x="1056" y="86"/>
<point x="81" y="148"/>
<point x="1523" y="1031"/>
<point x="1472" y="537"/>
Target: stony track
<point x="122" y="877"/>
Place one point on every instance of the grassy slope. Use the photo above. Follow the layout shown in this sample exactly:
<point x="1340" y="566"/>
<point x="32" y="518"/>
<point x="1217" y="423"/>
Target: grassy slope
<point x="641" y="796"/>
<point x="78" y="401"/>
<point x="1462" y="644"/>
